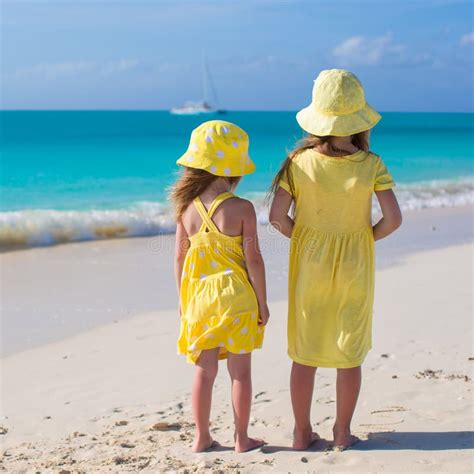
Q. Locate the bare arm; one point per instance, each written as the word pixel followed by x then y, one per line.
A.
pixel 279 217
pixel 392 216
pixel 181 249
pixel 254 261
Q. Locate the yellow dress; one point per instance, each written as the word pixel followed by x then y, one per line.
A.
pixel 331 272
pixel 219 307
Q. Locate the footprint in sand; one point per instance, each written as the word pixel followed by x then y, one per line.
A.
pixel 120 460
pixel 264 400
pixel 324 420
pixel 458 377
pixel 165 426
pixel 372 425
pixel 326 400
pixel 437 374
pixel 429 374
pixel 127 445
pixel 389 410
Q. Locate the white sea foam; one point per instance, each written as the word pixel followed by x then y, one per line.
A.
pixel 413 196
pixel 45 227
pixel 422 195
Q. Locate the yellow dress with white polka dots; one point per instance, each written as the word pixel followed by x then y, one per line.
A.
pixel 219 307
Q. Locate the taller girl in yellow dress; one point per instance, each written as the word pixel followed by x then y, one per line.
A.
pixel 330 179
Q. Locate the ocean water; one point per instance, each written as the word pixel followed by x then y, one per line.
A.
pixel 81 175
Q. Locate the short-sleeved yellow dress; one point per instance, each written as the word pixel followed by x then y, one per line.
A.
pixel 331 274
pixel 219 307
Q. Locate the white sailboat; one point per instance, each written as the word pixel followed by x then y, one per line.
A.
pixel 203 106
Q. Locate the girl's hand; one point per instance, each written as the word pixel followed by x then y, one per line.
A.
pixel 280 207
pixel 392 216
pixel 264 315
pixel 254 260
pixel 181 249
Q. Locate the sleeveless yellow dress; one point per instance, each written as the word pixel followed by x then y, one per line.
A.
pixel 219 307
pixel 331 272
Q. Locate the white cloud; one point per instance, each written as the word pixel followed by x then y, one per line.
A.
pixel 260 63
pixel 121 65
pixel 466 39
pixel 381 50
pixel 362 50
pixel 53 71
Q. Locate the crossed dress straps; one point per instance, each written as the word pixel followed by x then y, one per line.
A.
pixel 206 215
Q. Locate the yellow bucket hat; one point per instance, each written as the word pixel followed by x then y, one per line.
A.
pixel 338 107
pixel 219 147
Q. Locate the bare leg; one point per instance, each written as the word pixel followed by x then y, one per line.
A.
pixel 347 388
pixel 301 387
pixel 204 376
pixel 239 366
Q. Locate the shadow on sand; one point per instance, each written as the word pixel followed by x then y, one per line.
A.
pixel 321 445
pixel 416 440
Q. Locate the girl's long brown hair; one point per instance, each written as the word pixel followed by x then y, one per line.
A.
pixel 360 140
pixel 191 184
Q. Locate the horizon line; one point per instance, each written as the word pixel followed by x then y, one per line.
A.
pixel 224 110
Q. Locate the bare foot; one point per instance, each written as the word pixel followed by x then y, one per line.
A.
pixel 201 445
pixel 302 441
pixel 343 439
pixel 248 444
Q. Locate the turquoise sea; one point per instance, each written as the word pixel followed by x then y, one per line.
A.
pixel 83 175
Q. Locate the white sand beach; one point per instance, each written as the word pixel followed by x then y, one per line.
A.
pixel 91 381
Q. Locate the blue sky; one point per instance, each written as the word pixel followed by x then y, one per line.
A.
pixel 263 54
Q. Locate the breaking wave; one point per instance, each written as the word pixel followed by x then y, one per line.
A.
pixel 39 227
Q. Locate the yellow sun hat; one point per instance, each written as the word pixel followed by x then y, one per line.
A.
pixel 219 147
pixel 338 107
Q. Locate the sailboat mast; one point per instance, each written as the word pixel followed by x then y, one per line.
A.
pixel 205 84
pixel 208 94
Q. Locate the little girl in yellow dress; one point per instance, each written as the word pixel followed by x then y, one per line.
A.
pixel 330 180
pixel 219 272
